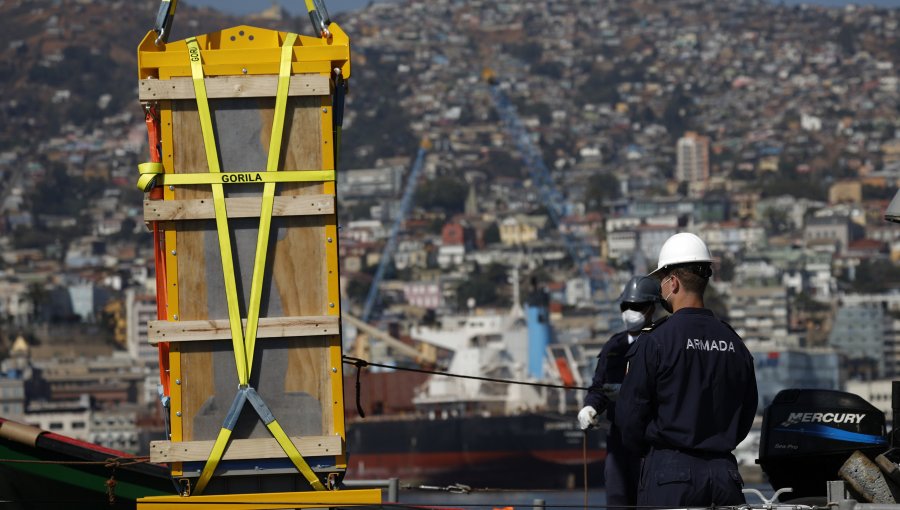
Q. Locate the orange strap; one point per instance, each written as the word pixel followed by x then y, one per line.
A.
pixel 159 247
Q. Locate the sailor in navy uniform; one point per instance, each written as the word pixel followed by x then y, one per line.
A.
pixel 622 468
pixel 689 396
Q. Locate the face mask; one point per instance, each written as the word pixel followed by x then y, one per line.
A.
pixel 634 320
pixel 665 302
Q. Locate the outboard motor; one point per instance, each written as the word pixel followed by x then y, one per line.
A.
pixel 807 435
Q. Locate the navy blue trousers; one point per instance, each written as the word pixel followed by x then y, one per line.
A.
pixel 622 471
pixel 675 478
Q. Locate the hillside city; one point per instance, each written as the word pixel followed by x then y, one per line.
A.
pixel 770 131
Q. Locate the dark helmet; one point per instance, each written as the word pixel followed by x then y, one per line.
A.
pixel 641 289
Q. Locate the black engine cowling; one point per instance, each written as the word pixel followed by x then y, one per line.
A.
pixel 807 435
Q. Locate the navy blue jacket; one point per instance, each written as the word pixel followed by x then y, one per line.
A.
pixel 690 386
pixel 610 369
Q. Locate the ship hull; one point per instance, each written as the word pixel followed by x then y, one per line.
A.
pixel 522 451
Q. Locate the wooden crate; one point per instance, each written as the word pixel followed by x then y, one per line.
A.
pixel 297 364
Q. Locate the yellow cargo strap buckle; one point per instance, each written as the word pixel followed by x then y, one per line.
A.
pixel 244 348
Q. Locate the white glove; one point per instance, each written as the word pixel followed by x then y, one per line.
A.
pixel 587 417
pixel 611 390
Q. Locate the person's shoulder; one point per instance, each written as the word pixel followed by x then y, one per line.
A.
pixel 738 342
pixel 729 327
pixel 617 342
pixel 646 340
pixel 655 325
pixel 617 337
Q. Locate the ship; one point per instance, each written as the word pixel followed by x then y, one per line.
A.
pixel 474 432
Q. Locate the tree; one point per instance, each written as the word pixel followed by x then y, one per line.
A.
pixel 846 38
pixel 776 221
pixel 445 193
pixel 715 302
pixel 500 163
pixel 676 113
pixel 600 188
pixel 726 269
pixel 483 286
pixel 492 234
pixel 804 303
pixel 878 192
pixel 876 276
pixel 600 88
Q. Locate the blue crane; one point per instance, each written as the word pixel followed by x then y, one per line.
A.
pixel 388 252
pixel 579 250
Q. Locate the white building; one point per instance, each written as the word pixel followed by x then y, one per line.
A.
pixel 72 418
pixel 877 392
pixel 759 314
pixel 423 294
pixel 140 309
pixel 692 153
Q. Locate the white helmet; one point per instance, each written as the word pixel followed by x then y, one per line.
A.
pixel 682 248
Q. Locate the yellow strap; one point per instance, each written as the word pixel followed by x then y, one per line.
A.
pixel 152 175
pixel 268 198
pixel 149 173
pixel 212 159
pixel 247 177
pixel 244 357
pixel 212 461
pixel 294 455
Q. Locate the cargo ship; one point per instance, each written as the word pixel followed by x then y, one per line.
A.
pixel 441 429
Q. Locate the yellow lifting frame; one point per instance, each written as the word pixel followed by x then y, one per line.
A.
pixel 246 56
pixel 272 500
pixel 307 55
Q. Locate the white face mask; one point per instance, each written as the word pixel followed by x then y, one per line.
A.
pixel 633 319
pixel 665 302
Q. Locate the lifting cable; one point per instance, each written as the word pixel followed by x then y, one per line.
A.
pixel 318 16
pixel 360 364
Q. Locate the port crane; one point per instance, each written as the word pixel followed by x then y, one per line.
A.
pixel 580 251
pixel 390 246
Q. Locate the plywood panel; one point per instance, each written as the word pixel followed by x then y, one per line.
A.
pixel 292 374
pixel 310 294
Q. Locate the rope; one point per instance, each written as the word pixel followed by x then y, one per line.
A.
pixel 110 463
pixel 361 363
pixel 584 464
pixel 359 366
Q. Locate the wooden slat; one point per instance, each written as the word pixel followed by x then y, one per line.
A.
pixel 242 449
pixel 237 207
pixel 233 86
pixel 269 327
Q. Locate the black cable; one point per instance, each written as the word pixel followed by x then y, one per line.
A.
pixel 361 362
